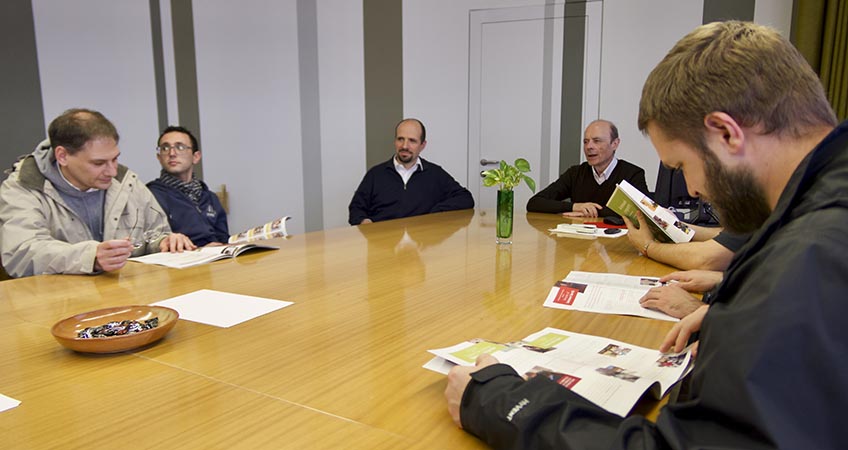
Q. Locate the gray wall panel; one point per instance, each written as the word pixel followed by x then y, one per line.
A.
pixel 21 110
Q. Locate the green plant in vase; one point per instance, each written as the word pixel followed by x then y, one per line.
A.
pixel 507 177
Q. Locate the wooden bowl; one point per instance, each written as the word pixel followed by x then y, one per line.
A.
pixel 66 331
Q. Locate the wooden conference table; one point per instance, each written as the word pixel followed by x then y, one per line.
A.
pixel 341 368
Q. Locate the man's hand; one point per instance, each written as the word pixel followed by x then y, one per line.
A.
pixel 672 300
pixel 458 379
pixel 175 243
pixel 639 237
pixel 366 220
pixel 695 280
pixel 587 209
pixel 112 255
pixel 677 338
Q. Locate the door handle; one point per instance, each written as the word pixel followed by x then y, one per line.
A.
pixel 486 162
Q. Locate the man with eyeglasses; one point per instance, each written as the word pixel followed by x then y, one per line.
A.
pixel 70 208
pixel 191 207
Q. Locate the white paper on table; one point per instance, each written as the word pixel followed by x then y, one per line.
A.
pixel 8 403
pixel 604 293
pixel 569 230
pixel 221 309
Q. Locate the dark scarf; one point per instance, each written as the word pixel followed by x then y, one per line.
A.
pixel 192 189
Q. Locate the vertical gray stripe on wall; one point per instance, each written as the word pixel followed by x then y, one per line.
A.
pixel 310 114
pixel 185 66
pixel 715 10
pixel 571 103
pixel 21 110
pixel 158 63
pixel 547 81
pixel 383 36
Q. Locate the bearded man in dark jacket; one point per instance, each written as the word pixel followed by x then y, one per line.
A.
pixel 739 110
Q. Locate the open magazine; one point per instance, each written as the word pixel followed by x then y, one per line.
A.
pixel 665 226
pixel 200 256
pixel 609 373
pixel 604 293
pixel 270 230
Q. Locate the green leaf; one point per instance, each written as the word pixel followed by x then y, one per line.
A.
pixel 503 165
pixel 489 181
pixel 522 165
pixel 530 183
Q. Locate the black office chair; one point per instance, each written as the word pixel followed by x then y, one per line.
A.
pixel 671 193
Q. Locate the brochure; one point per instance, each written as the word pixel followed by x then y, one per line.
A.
pixel 604 293
pixel 665 226
pixel 270 230
pixel 200 256
pixel 609 373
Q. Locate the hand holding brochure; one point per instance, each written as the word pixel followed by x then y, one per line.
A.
pixel 665 226
pixel 200 256
pixel 270 230
pixel 609 373
pixel 604 293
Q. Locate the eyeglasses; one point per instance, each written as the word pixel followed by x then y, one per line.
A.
pixel 179 148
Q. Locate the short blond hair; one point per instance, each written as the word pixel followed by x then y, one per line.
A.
pixel 746 70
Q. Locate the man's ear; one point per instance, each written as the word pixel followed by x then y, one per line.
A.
pixel 195 157
pixel 614 144
pixel 723 129
pixel 61 154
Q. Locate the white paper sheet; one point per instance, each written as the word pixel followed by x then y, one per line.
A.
pixel 221 309
pixel 8 403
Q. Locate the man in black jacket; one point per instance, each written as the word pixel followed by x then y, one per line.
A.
pixel 406 185
pixel 741 112
pixel 583 190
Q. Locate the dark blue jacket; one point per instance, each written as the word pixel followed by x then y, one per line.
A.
pixel 204 223
pixel 382 195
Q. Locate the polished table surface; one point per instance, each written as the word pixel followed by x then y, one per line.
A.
pixel 341 368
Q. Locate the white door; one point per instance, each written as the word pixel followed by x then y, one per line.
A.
pixel 515 79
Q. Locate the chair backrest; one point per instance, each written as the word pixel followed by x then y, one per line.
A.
pixel 224 198
pixel 671 192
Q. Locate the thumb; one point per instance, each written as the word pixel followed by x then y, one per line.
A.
pixel 486 360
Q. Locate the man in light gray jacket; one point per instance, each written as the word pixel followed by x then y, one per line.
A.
pixel 70 208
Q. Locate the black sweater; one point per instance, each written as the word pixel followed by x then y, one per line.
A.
pixel 578 185
pixel 382 195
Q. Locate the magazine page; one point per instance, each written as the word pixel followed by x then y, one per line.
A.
pixel 611 374
pixel 182 260
pixel 270 230
pixel 626 200
pixel 604 293
pixel 237 249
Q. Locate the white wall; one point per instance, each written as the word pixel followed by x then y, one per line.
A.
pixel 775 13
pixel 97 54
pixel 636 36
pixel 435 75
pixel 249 97
pixel 341 72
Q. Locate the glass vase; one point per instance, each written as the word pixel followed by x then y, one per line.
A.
pixel 504 226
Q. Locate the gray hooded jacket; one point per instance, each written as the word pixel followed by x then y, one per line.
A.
pixel 41 234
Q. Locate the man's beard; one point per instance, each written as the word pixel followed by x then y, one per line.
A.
pixel 740 201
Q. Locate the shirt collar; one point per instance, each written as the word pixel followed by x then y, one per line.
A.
pixel 606 173
pixel 400 167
